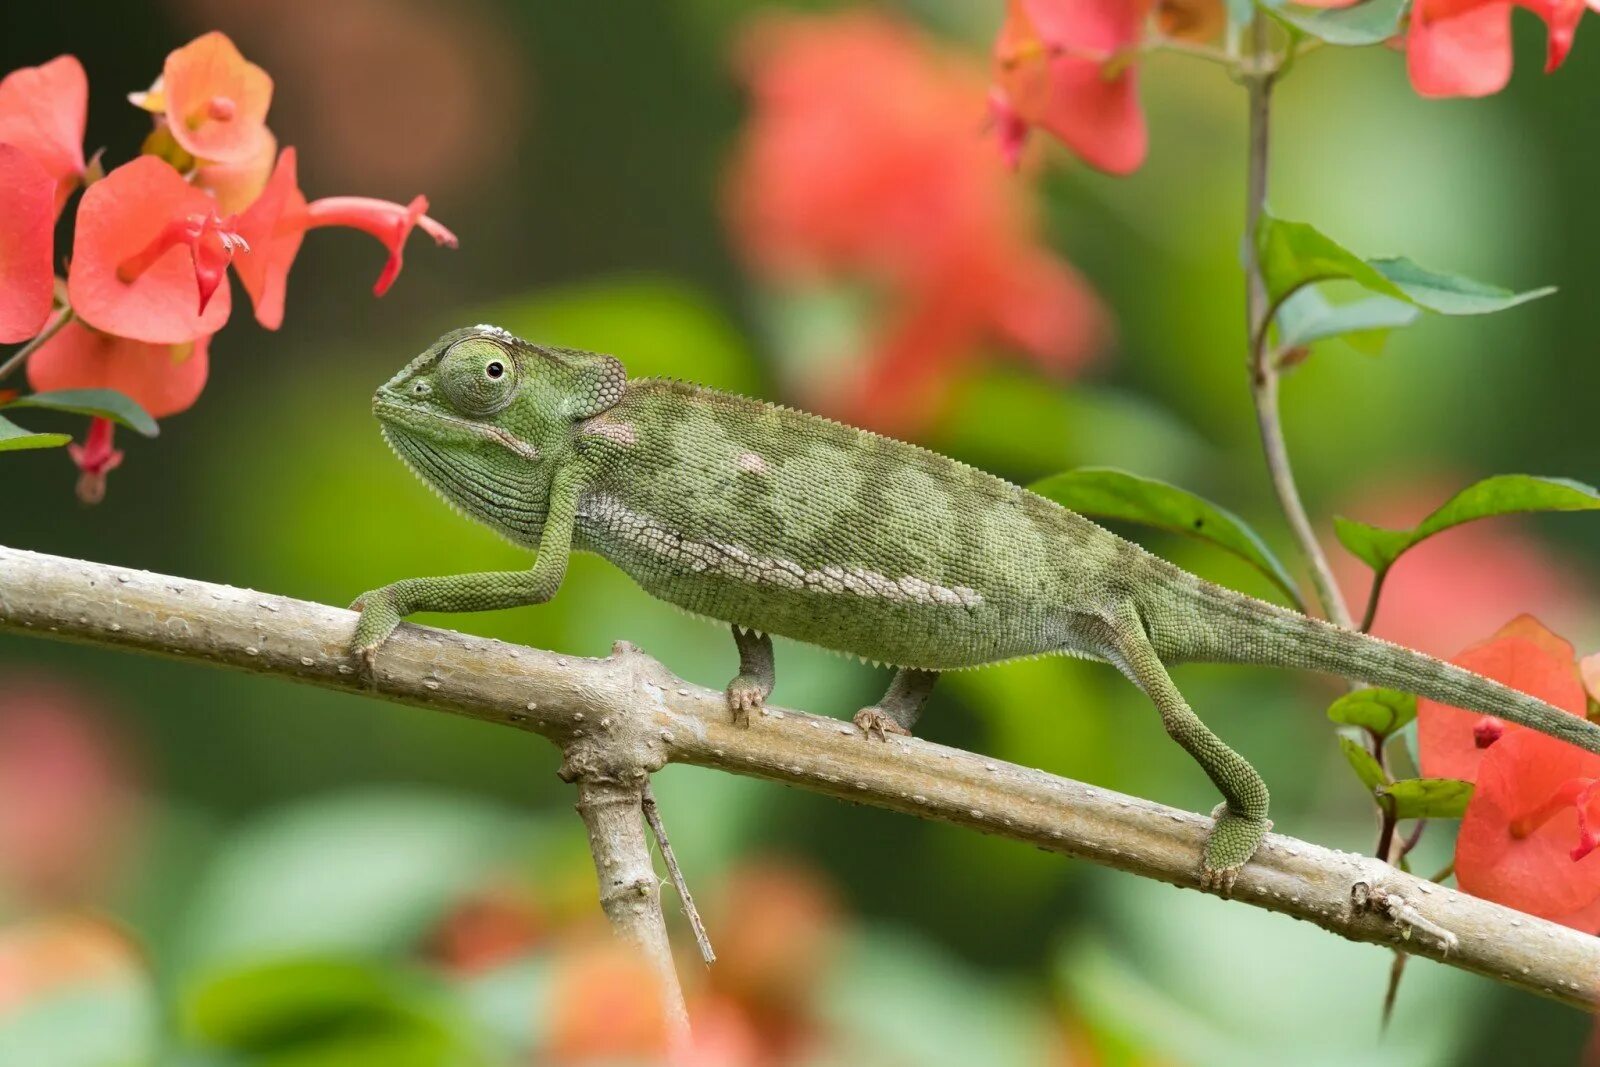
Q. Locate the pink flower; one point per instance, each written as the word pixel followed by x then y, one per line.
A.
pixel 276 223
pixel 1463 47
pixel 27 225
pixel 43 111
pixel 149 256
pixel 861 164
pixel 1067 67
pixel 215 101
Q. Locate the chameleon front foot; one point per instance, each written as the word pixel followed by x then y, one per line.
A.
pixel 875 721
pixel 745 695
pixel 380 615
pixel 1229 846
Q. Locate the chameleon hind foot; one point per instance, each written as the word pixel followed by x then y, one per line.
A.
pixel 875 720
pixel 752 686
pixel 1229 846
pixel 900 707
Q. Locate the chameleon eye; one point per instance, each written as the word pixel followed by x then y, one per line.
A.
pixel 495 369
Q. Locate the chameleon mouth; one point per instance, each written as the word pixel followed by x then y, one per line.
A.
pixel 417 420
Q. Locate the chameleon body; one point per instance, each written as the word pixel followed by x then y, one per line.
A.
pixel 782 522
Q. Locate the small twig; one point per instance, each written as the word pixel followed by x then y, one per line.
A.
pixel 20 356
pixel 652 815
pixel 1413 838
pixel 1366 897
pixel 629 891
pixel 1397 970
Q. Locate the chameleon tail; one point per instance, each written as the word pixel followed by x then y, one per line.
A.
pixel 1196 620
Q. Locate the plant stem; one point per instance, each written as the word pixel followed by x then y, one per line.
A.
pixel 1259 82
pixel 20 356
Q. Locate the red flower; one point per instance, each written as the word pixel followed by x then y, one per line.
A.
pixel 1452 743
pixel 67 793
pixel 215 101
pixel 276 223
pixel 43 111
pixel 1066 66
pixel 149 256
pixel 861 163
pixel 162 379
pixel 1528 839
pixel 1463 47
pixel 27 223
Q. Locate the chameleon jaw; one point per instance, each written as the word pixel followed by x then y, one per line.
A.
pixel 418 421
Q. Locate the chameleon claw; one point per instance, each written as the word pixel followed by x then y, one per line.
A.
pixel 744 696
pixel 875 721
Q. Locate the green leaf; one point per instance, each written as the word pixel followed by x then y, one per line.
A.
pixel 1105 492
pixel 1428 798
pixel 1383 711
pixel 1296 254
pixel 1308 317
pixel 14 438
pixel 1504 494
pixel 1451 294
pixel 1372 22
pixel 1363 764
pixel 99 403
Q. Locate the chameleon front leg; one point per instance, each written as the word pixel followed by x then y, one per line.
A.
pixel 383 608
pixel 901 705
pixel 1240 821
pixel 753 684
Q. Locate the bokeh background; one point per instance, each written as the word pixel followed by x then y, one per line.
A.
pixel 203 869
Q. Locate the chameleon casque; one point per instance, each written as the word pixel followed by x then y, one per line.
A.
pixel 782 522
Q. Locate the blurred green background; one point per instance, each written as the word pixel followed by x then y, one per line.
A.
pixel 310 878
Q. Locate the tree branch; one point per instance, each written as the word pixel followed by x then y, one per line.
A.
pixel 629 699
pixel 612 812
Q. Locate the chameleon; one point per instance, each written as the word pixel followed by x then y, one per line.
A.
pixel 777 521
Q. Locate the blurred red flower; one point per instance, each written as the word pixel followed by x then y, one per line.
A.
pixel 67 795
pixel 604 1007
pixel 1067 67
pixel 777 927
pixel 149 256
pixel 494 924
pixel 1524 654
pixel 275 224
pixel 27 225
pixel 1463 47
pixel 863 161
pixel 43 111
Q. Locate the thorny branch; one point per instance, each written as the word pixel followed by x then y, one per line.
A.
pixel 625 714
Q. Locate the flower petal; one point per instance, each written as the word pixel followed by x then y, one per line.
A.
pixel 43 111
pixel 162 379
pixel 1465 54
pixel 120 217
pixel 27 226
pixel 273 227
pixel 216 100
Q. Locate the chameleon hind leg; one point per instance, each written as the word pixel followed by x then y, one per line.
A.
pixel 753 684
pixel 1240 821
pixel 901 705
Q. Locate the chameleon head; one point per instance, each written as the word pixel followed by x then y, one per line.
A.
pixel 486 419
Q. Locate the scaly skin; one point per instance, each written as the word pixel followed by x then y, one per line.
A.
pixel 781 522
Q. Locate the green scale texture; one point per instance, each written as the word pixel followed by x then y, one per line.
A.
pixel 778 521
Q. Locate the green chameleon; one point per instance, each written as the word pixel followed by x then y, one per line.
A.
pixel 782 522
